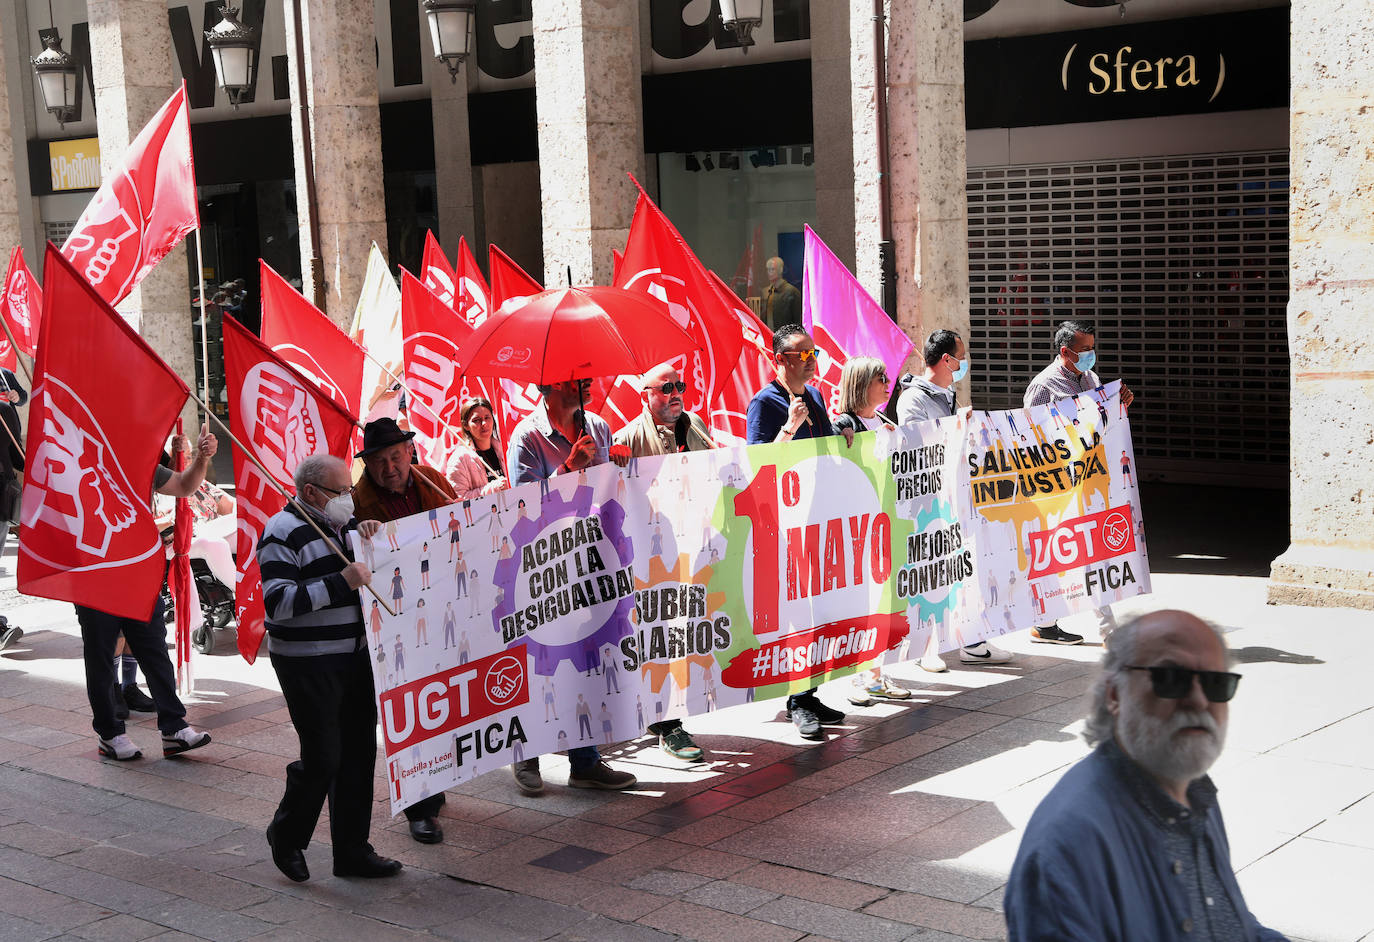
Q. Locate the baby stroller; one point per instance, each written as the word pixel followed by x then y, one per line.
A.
pixel 216 601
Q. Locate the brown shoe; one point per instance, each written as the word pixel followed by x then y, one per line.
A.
pixel 601 775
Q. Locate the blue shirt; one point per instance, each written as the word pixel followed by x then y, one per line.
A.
pixel 537 449
pixel 1109 857
pixel 768 414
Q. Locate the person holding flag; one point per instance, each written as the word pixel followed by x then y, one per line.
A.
pixel 315 639
pixel 146 640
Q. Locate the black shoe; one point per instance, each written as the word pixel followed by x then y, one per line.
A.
pixel 370 866
pixel 826 715
pixel 120 707
pixel 289 861
pixel 808 726
pixel 427 831
pixel 9 633
pixel 137 700
pixel 1053 634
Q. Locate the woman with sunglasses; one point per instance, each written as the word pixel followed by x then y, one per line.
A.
pixel 864 389
pixel 478 467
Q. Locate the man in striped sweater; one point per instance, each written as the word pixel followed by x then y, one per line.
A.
pixel 315 638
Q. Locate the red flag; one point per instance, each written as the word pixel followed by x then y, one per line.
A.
pixel 184 597
pixel 21 307
pixel 463 289
pixel 432 334
pixel 142 210
pixel 282 417
pixel 304 336
pixel 746 278
pixel 474 295
pixel 729 416
pixel 435 271
pixel 617 259
pixel 658 262
pixel 87 533
pixel 508 280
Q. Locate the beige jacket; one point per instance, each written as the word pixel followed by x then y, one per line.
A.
pixel 641 435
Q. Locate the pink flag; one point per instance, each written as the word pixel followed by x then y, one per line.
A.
pixel 844 320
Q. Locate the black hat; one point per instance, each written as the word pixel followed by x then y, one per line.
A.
pixel 382 433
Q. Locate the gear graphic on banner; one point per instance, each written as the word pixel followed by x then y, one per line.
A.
pixel 602 628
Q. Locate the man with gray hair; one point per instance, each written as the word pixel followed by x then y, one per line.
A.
pixel 315 639
pixel 1130 845
pixel 1069 374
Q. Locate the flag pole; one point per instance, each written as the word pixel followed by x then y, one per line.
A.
pixel 18 356
pixel 290 498
pixel 204 322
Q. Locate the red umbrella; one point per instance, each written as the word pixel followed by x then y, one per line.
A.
pixel 574 333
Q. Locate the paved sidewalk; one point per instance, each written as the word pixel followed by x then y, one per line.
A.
pixel 903 825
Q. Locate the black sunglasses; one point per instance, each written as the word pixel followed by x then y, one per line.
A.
pixel 669 388
pixel 1173 683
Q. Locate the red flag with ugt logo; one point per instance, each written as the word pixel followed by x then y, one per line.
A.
pixel 102 405
pixel 145 207
pixel 304 336
pixel 282 417
pixel 432 334
pixel 21 307
pixel 729 414
pixel 658 262
pixel 462 287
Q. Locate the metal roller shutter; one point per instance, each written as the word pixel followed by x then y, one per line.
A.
pixel 1182 264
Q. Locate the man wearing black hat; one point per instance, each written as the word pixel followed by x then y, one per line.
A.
pixel 392 487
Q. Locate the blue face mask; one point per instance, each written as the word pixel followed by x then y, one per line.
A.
pixel 1086 360
pixel 962 371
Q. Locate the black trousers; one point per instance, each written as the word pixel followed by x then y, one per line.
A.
pixel 148 643
pixel 335 716
pixel 425 808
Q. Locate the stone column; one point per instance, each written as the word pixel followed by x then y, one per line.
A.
pixel 133 72
pixel 863 78
pixel 833 144
pixel 453 177
pixel 1330 332
pixel 12 187
pixel 926 160
pixel 588 101
pixel 340 97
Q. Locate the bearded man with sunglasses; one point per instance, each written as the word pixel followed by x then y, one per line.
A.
pixel 1130 845
pixel 665 427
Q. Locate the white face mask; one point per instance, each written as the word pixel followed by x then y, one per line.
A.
pixel 339 510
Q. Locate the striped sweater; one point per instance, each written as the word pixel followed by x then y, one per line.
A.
pixel 310 610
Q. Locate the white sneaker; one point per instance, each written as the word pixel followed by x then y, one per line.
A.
pixel 983 653
pixel 183 740
pixel 932 663
pixel 121 748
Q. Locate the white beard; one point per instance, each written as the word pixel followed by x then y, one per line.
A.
pixel 1152 744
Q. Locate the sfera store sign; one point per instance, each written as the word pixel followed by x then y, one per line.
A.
pixel 1229 62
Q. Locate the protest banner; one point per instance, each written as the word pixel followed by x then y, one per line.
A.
pixel 578 610
pixel 1053 503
